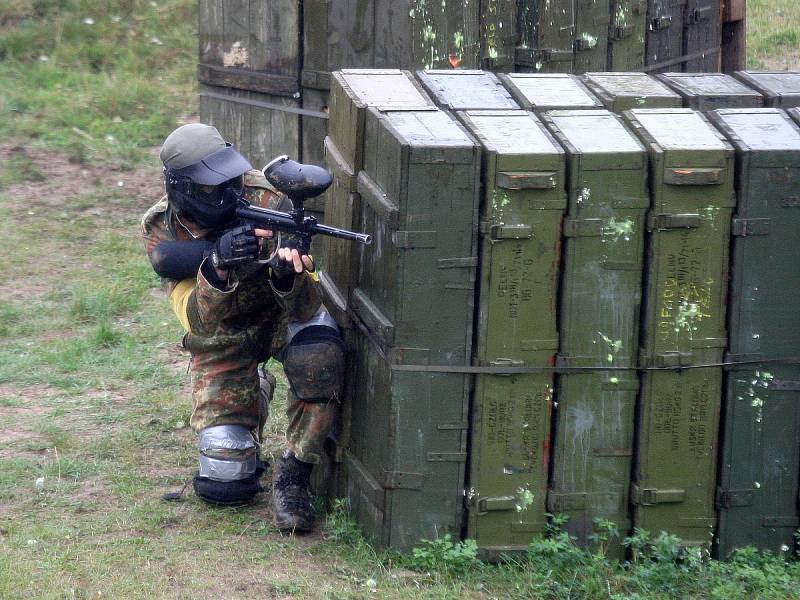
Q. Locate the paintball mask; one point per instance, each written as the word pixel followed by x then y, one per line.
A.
pixel 208 205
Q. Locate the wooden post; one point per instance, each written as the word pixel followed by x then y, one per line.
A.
pixel 734 19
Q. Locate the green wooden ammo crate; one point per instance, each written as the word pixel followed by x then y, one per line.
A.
pixel 520 231
pixel 541 92
pixel 709 91
pixel 598 320
pixel 498 33
pixel 626 37
pixel 781 89
pixel 702 30
pixel 414 307
pixel 339 260
pixel 758 491
pixel 622 91
pixel 352 91
pixel 466 90
pixel 410 34
pixel 664 38
pixel 547 49
pixel 563 37
pixel 691 183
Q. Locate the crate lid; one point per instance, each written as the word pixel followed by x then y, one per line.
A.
pixel 510 132
pixel 466 90
pixel 773 82
pixel 386 88
pixel 551 90
pixel 707 84
pixel 679 129
pixel 427 128
pixel 595 131
pixel 630 85
pixel 758 129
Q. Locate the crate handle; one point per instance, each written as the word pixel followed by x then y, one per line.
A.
pixel 693 176
pixel 526 180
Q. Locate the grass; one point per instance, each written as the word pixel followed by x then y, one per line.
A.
pixel 93 386
pixel 773 34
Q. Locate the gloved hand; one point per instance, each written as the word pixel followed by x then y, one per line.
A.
pixel 236 246
pixel 290 259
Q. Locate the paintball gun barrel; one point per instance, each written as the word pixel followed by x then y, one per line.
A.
pixel 299 182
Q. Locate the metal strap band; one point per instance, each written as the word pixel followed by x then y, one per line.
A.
pixel 511 370
pixel 681 59
pixel 289 109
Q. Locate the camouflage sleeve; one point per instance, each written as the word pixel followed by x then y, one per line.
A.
pixel 154 230
pixel 207 306
pixel 304 299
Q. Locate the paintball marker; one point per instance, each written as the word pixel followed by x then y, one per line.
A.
pixel 299 182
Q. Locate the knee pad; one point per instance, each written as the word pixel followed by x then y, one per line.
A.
pixel 229 465
pixel 314 359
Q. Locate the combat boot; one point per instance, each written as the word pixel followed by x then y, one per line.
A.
pixel 291 500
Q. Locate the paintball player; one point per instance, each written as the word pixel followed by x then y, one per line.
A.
pixel 242 300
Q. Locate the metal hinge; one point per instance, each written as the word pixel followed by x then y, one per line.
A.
pixel 659 222
pixel 667 359
pixel 652 496
pixel 747 227
pixel 731 498
pixel 557 502
pixel 583 227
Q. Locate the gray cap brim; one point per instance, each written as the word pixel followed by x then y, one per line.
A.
pixel 217 167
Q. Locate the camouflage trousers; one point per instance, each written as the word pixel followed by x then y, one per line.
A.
pixel 227 390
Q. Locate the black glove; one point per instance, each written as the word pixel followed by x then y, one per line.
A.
pixel 235 246
pixel 281 268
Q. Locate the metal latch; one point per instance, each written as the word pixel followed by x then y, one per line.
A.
pixel 746 227
pixel 659 23
pixel 731 498
pixel 698 14
pixel 662 221
pixel 620 32
pixel 652 496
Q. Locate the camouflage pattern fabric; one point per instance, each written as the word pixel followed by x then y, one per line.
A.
pixel 233 331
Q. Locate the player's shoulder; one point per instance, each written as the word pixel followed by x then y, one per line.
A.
pixel 155 217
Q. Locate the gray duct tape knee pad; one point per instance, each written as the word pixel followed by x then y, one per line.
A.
pixel 313 359
pixel 229 465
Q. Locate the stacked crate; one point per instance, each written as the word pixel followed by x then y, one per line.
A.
pixel 481 301
pixel 758 485
pixel 599 316
pixel 523 205
pixel 709 91
pixel 541 92
pixel 691 186
pixel 781 89
pixel 622 91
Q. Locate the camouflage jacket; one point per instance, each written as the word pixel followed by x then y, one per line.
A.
pixel 251 311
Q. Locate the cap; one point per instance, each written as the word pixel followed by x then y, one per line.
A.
pixel 198 152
